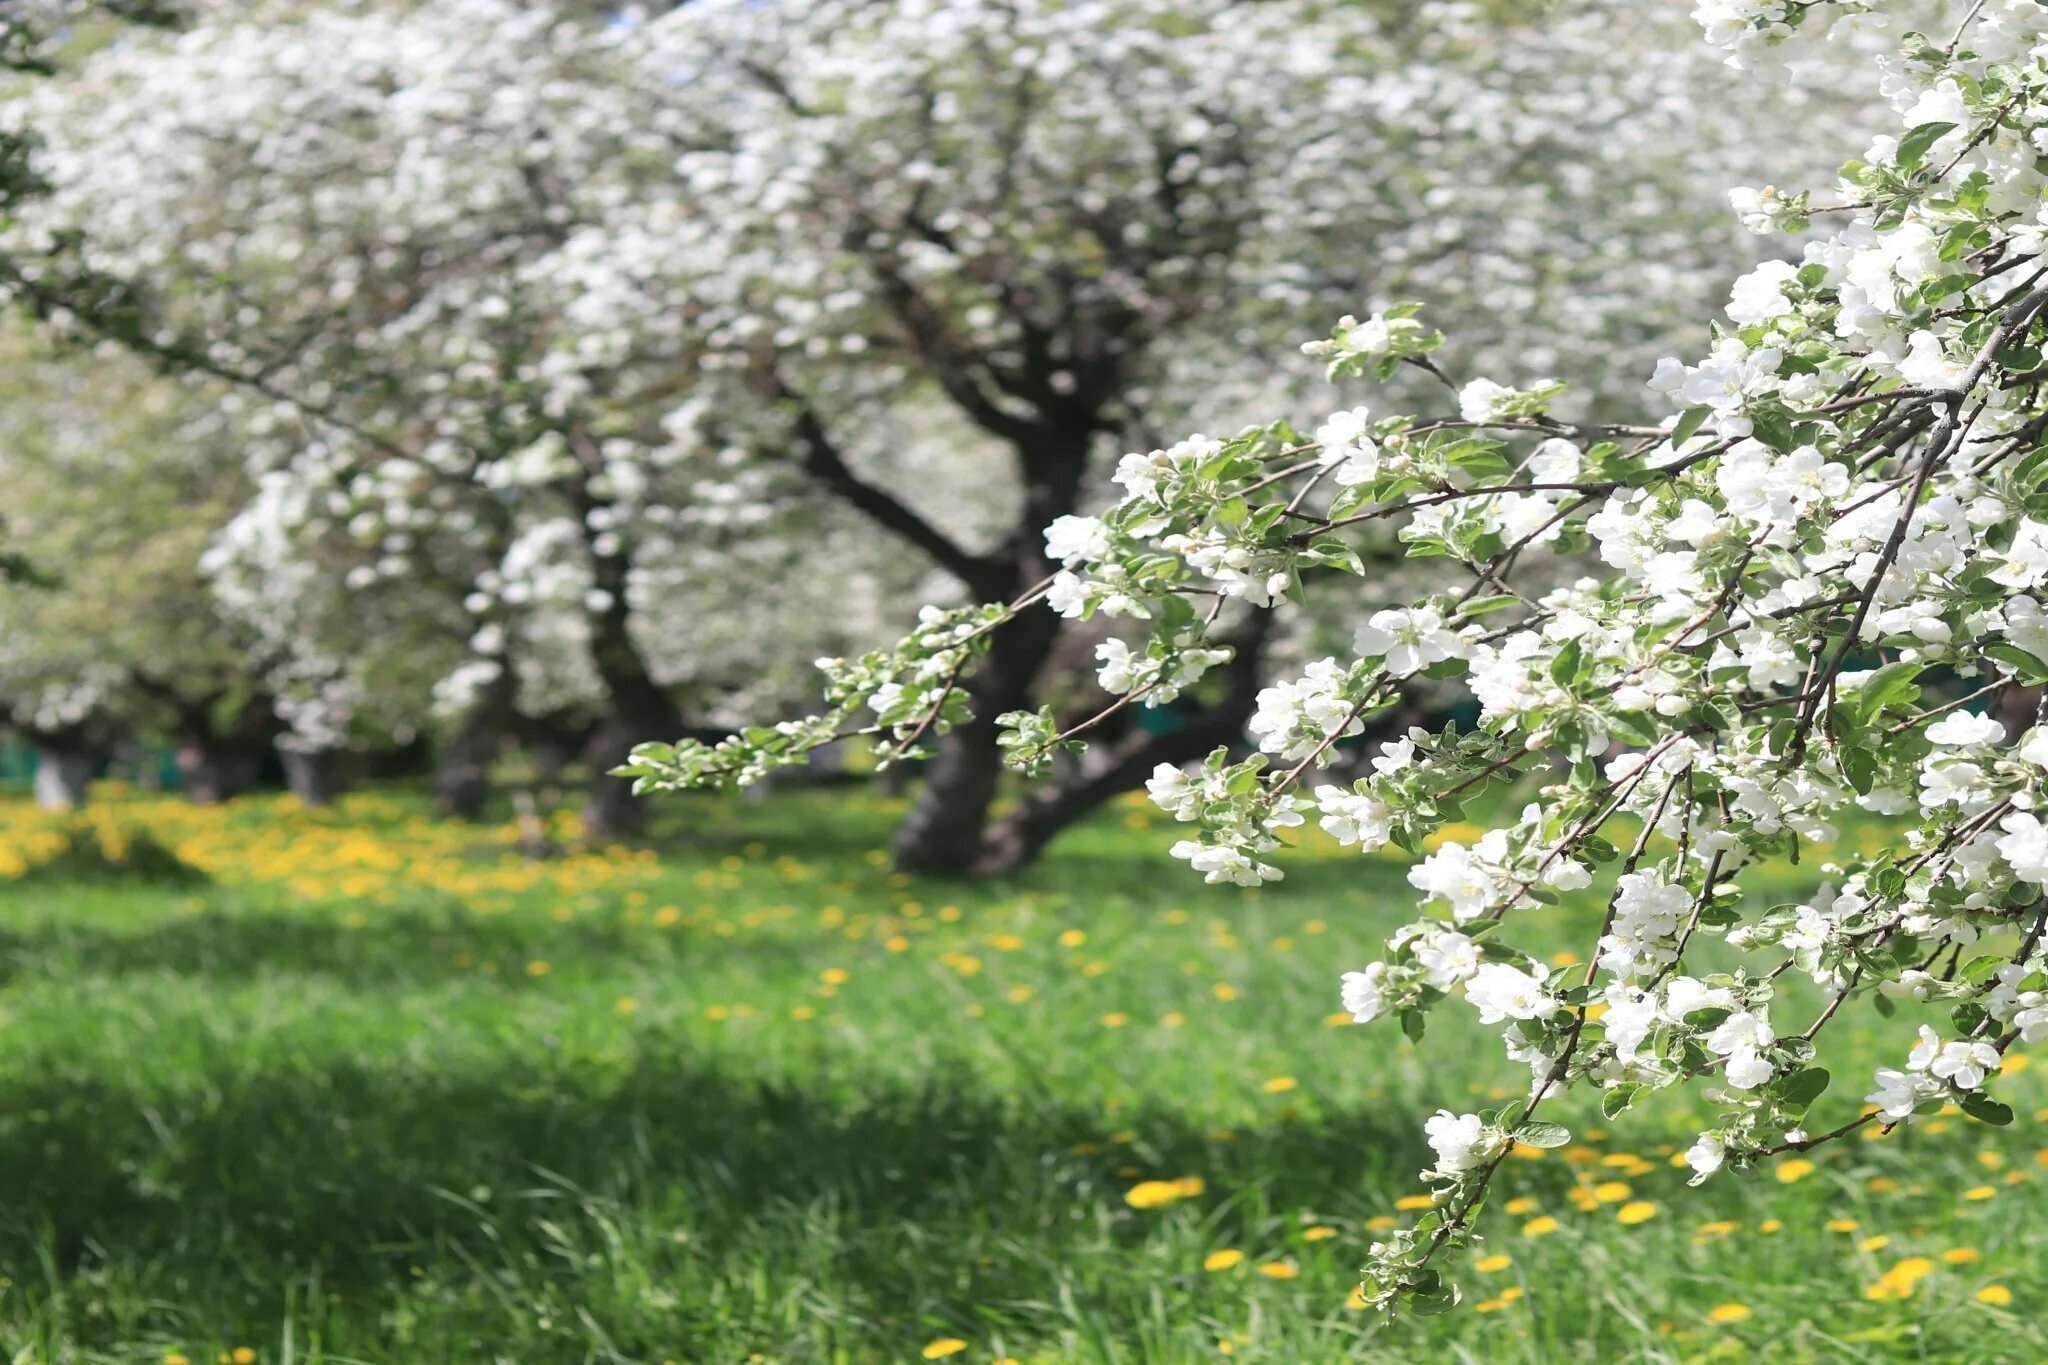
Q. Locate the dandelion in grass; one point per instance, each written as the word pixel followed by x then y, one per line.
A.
pixel 1539 1227
pixel 1997 1295
pixel 1280 1085
pixel 943 1347
pixel 1152 1194
pixel 1318 1234
pixel 1979 1193
pixel 1489 1264
pixel 1638 1211
pixel 1901 1280
pixel 1729 1312
pixel 1798 1168
pixel 1279 1270
pixel 1227 1259
pixel 1961 1255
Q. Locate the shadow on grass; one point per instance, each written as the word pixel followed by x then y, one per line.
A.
pixel 357 1177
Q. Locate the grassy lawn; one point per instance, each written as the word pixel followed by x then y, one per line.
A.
pixel 377 1089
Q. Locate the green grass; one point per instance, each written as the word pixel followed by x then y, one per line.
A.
pixel 381 1092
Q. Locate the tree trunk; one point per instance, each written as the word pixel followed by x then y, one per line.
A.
pixel 637 710
pixel 462 769
pixel 212 770
pixel 312 775
pixel 63 773
pixel 1019 837
pixel 943 832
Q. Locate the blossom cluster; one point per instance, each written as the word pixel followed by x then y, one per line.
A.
pixel 1820 587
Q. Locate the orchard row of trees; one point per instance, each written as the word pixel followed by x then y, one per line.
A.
pixel 498 372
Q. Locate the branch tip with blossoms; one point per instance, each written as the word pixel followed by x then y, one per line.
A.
pixel 1834 545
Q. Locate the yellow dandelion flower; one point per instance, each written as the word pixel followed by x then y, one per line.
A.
pixel 1612 1191
pixel 1318 1234
pixel 1222 1260
pixel 1638 1211
pixel 1901 1280
pixel 626 1004
pixel 943 1347
pixel 1521 1204
pixel 1877 1243
pixel 1414 1201
pixel 538 968
pixel 1961 1255
pixel 1382 1222
pixel 1842 1225
pixel 1769 1226
pixel 1979 1192
pixel 1878 1184
pixel 1224 991
pixel 1539 1227
pixel 1511 1293
pixel 1489 1305
pixel 1279 1270
pixel 1355 1300
pixel 1019 994
pixel 1729 1312
pixel 1798 1168
pixel 243 1355
pixel 896 943
pixel 1997 1295
pixel 1486 1265
pixel 1280 1085
pixel 1115 1019
pixel 1073 938
pixel 1151 1194
pixel 1173 1020
pixel 1188 1186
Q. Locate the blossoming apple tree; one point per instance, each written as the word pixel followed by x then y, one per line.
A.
pixel 1817 574
pixel 1073 222
pixel 534 293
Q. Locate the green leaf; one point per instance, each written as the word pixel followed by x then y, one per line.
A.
pixel 1914 146
pixel 2027 668
pixel 1689 423
pixel 1615 1101
pixel 1802 1088
pixel 1859 765
pixel 1891 683
pixel 1543 1135
pixel 1984 1109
